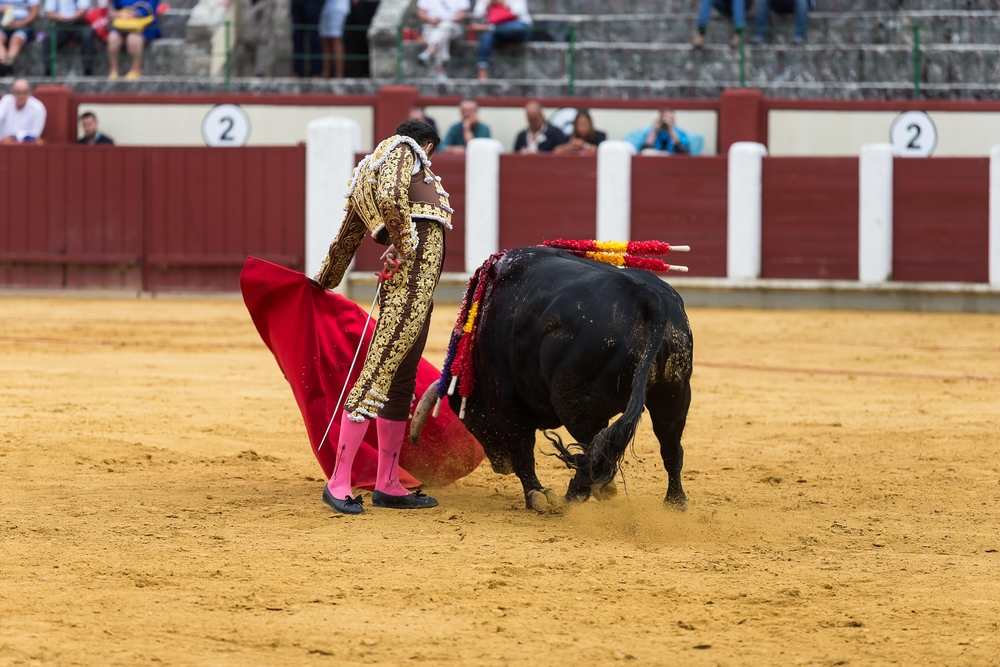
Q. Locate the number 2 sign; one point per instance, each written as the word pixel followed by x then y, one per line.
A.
pixel 226 125
pixel 913 134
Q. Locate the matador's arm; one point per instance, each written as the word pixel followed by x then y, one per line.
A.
pixel 392 197
pixel 352 233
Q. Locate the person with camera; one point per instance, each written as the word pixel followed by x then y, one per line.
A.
pixel 664 136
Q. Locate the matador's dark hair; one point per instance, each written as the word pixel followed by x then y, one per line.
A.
pixel 419 131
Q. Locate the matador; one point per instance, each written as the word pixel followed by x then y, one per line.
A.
pixel 396 198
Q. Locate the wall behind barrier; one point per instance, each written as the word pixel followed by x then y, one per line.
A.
pixel 683 201
pixel 809 214
pixel 141 218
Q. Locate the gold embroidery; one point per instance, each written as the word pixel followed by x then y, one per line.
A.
pixel 402 310
pixel 350 236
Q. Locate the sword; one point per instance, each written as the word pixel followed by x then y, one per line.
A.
pixel 382 277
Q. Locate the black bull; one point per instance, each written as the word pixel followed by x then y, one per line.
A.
pixel 567 341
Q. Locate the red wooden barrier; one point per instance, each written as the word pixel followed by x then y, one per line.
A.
pixel 70 216
pixel 682 200
pixel 546 197
pixel 810 218
pixel 208 208
pixel 941 219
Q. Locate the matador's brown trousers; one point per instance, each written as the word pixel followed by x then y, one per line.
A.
pixel 385 387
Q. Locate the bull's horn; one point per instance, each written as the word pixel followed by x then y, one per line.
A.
pixel 422 412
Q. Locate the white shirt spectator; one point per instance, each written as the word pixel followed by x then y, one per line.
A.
pixel 28 121
pixel 443 10
pixel 66 8
pixel 518 8
pixel 22 7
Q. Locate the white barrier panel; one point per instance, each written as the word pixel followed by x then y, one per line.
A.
pixel 744 210
pixel 875 213
pixel 331 144
pixel 614 190
pixel 482 201
pixel 994 257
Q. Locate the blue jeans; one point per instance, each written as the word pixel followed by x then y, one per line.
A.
pixel 736 9
pixel 512 32
pixel 799 7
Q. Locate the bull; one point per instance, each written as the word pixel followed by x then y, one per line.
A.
pixel 569 341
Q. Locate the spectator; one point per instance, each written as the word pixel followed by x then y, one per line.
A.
pixel 92 136
pixel 799 7
pixel 465 130
pixel 417 113
pixel 663 136
pixel 67 24
pixel 22 117
pixel 306 47
pixel 331 33
pixel 507 22
pixel 442 21
pixel 18 15
pixel 540 137
pixel 732 9
pixel 134 37
pixel 585 138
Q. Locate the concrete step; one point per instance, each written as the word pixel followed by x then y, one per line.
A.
pixel 162 57
pixel 848 64
pixel 668 7
pixel 174 22
pixel 824 27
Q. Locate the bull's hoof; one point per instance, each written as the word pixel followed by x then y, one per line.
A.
pixel 607 493
pixel 543 501
pixel 676 501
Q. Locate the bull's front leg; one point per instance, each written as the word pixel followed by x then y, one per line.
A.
pixel 522 459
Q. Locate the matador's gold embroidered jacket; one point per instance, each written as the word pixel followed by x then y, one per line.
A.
pixel 389 189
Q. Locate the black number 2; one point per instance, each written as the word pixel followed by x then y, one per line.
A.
pixel 913 139
pixel 228 137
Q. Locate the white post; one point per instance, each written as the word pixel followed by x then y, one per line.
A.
pixel 875 213
pixel 746 168
pixel 482 201
pixel 995 217
pixel 614 190
pixel 331 146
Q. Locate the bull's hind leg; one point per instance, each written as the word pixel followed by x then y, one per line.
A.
pixel 668 407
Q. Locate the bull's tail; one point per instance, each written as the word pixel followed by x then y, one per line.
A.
pixel 605 453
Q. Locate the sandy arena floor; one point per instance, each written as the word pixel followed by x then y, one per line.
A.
pixel 159 504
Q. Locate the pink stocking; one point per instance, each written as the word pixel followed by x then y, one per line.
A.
pixel 390 443
pixel 351 435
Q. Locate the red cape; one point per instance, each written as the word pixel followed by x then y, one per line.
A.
pixel 313 335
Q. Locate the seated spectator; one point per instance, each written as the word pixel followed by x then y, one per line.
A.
pixel 799 7
pixel 18 15
pixel 540 137
pixel 500 22
pixel 134 38
pixel 92 136
pixel 732 9
pixel 442 21
pixel 331 34
pixel 465 130
pixel 584 139
pixel 22 116
pixel 663 136
pixel 68 24
pixel 417 113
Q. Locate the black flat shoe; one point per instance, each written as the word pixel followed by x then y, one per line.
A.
pixel 348 505
pixel 413 501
